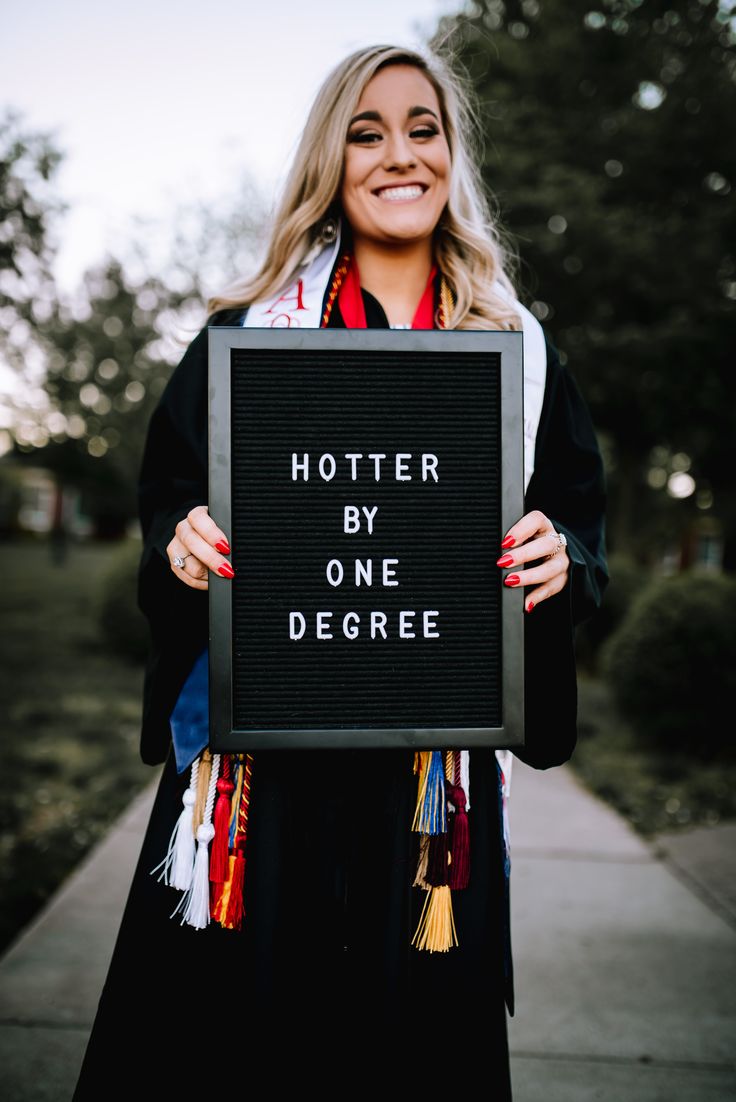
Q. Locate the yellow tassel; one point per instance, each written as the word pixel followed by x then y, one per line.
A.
pixel 223 898
pixel 203 784
pixel 235 802
pixel 422 768
pixel 436 930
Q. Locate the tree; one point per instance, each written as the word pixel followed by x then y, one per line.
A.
pixel 107 363
pixel 28 210
pixel 110 354
pixel 610 150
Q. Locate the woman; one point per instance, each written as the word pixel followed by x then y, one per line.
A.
pixel 382 223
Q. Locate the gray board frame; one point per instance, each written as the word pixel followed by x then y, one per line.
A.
pixel 223 340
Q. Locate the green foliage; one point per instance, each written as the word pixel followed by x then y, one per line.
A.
pixel 28 209
pixel 672 663
pixel 657 788
pixel 609 150
pixel 121 622
pixel 627 579
pixel 28 162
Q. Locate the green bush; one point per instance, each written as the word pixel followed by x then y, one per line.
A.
pixel 122 624
pixel 627 579
pixel 672 663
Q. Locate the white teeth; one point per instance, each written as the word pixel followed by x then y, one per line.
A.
pixel 396 193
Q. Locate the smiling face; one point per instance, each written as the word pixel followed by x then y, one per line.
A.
pixel 396 178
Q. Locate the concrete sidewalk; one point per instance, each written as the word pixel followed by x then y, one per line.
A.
pixel 625 957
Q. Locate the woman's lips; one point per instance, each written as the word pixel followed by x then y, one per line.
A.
pixel 400 193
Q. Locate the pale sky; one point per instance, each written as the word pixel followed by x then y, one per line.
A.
pixel 165 102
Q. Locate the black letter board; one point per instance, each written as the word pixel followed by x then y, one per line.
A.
pixel 365 480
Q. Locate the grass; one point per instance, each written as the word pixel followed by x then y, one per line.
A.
pixel 655 789
pixel 69 761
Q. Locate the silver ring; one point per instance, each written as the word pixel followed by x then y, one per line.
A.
pixel 178 560
pixel 561 542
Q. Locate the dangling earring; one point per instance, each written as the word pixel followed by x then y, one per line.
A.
pixel 327 235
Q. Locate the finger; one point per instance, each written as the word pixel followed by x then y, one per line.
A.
pixel 193 573
pixel 538 548
pixel 542 592
pixel 192 582
pixel 202 522
pixel 202 550
pixel 534 523
pixel 552 568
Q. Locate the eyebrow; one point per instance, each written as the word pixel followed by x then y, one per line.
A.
pixel 375 116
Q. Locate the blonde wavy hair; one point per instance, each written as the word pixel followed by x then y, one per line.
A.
pixel 469 245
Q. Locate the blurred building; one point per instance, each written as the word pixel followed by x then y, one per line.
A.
pixel 32 501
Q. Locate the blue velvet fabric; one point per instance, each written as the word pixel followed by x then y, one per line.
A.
pixel 190 718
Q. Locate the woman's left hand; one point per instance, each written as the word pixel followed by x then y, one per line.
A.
pixel 534 538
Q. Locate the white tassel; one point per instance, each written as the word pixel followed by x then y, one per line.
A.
pixel 465 776
pixel 195 903
pixel 178 864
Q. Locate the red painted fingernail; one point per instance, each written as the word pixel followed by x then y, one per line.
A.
pixel 508 542
pixel 513 579
pixel 226 570
pixel 505 560
pixel 223 547
pixel 530 606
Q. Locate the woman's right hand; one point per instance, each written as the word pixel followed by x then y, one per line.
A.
pixel 202 545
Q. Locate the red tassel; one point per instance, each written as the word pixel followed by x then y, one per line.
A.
pixel 220 894
pixel 438 863
pixel 235 905
pixel 218 855
pixel 460 839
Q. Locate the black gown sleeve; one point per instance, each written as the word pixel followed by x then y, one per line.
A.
pixel 568 486
pixel 173 479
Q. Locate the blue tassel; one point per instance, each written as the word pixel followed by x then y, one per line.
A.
pixel 433 812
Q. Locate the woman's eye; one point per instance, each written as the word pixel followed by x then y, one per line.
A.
pixel 364 136
pixel 424 132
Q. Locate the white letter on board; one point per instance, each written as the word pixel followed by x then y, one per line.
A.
pixel 323 622
pixel 334 576
pixel 388 573
pixel 377 457
pixel 430 624
pixel 351 524
pixel 295 617
pixel 327 462
pixel 353 457
pixel 429 466
pixel 404 626
pixel 296 466
pixel 378 623
pixel 350 631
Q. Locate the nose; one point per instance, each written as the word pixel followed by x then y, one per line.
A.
pixel 399 155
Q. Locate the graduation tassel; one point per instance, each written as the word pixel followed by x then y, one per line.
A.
pixel 438 861
pixel 459 839
pixel 436 930
pixel 218 856
pixel 444 857
pixel 420 879
pixel 178 863
pixel 430 816
pixel 228 906
pixel 236 902
pixel 221 890
pixel 195 903
pixel 203 784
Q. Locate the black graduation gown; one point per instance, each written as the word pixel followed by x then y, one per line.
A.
pixel 322 986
